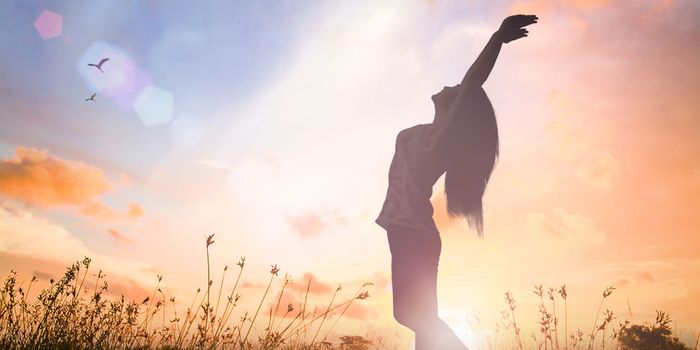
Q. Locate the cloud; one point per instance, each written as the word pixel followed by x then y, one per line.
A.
pixel 644 276
pixel 307 225
pixel 99 210
pixel 535 238
pixel 316 286
pixel 120 237
pixel 636 141
pixel 125 286
pixel 36 178
pixel 135 210
pixel 25 234
pixel 312 223
pixel 359 311
pixel 252 285
pixel 546 7
pixel 27 238
pixel 563 227
pixel 104 212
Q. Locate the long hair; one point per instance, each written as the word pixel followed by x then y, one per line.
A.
pixel 472 157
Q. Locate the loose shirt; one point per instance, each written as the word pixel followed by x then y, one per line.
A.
pixel 414 170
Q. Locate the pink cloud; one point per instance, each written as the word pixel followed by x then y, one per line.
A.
pixel 120 237
pixel 358 311
pixel 307 225
pixel 311 223
pixel 316 286
pixel 644 276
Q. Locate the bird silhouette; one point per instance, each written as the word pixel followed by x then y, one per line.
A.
pixel 99 65
pixel 92 98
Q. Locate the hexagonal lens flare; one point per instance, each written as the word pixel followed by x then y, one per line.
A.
pixel 49 24
pixel 154 106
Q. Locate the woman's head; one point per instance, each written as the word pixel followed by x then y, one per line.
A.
pixel 471 157
pixel 443 99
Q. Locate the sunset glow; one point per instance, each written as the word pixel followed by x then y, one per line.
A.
pixel 272 125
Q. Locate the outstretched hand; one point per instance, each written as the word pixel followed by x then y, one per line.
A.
pixel 512 27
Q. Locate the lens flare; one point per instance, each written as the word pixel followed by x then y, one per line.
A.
pixel 154 106
pixel 49 24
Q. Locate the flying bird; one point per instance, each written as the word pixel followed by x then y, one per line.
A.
pixel 92 98
pixel 99 65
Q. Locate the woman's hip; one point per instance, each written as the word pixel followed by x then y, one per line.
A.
pixel 414 244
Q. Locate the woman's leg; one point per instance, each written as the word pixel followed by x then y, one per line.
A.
pixel 414 264
pixel 414 260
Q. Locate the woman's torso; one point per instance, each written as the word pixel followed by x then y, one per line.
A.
pixel 413 172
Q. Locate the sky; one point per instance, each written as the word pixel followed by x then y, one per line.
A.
pixel 271 124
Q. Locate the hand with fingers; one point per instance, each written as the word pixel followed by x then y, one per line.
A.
pixel 512 27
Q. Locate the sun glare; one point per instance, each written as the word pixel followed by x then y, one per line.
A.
pixel 458 320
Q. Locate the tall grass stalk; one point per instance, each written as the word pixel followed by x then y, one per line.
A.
pixel 210 241
pixel 231 303
pixel 606 293
pixel 273 272
pixel 562 293
pixel 516 329
pixel 550 295
pixel 360 296
pixel 325 314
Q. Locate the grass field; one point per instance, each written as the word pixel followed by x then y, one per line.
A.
pixel 69 314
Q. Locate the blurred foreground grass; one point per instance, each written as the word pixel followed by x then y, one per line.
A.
pixel 68 314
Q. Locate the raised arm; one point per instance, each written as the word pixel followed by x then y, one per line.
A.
pixel 481 68
pixel 511 29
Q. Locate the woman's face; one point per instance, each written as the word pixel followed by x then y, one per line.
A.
pixel 444 98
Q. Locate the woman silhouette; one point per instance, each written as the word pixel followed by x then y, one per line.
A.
pixel 462 142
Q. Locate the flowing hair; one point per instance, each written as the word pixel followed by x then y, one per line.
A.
pixel 472 156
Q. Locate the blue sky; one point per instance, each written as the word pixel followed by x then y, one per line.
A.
pixel 207 55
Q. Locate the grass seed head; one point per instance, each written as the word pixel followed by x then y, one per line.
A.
pixel 538 290
pixel 562 291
